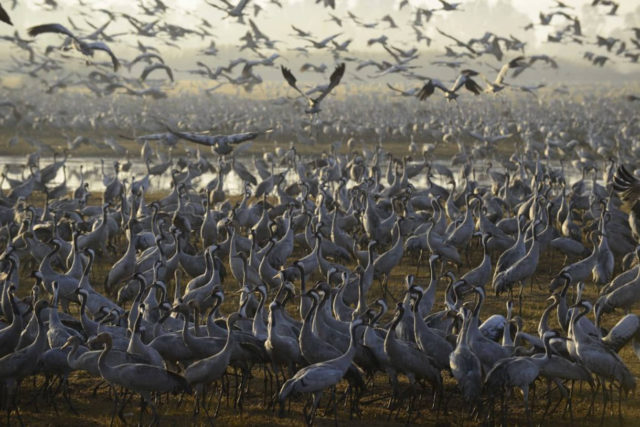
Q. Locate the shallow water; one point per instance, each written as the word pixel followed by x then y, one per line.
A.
pixel 233 185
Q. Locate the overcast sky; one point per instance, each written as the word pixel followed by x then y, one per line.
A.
pixel 503 17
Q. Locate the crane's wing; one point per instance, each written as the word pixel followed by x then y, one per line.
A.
pixel 241 5
pixel 426 91
pixel 112 87
pixel 298 30
pixel 394 88
pixel 563 14
pixel 544 58
pixel 334 80
pixel 438 84
pixel 213 140
pixel 328 39
pixel 626 185
pixel 458 83
pixel 514 63
pixel 393 54
pixel 154 67
pixel 476 135
pixel 429 88
pixel 225 9
pixel 103 47
pixel 256 30
pixel 448 36
pixel 290 78
pixel 472 86
pixel 4 16
pixel 50 28
pixel 146 56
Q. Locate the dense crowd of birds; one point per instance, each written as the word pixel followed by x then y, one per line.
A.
pixel 327 234
pixel 293 281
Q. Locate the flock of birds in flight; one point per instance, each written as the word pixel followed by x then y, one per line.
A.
pixel 347 223
pixel 401 61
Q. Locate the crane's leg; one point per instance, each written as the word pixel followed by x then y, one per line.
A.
pixel 612 408
pixel 385 288
pixel 264 385
pixel 570 402
pixel 95 389
pixel 66 393
pixel 491 414
pixel 305 410
pixel 215 414
pixel 620 404
pixel 520 297
pixel 503 409
pixel 314 406
pixel 418 264
pixel 226 382
pixel 125 400
pixel 533 400
pixel 154 410
pixel 394 393
pixel 196 402
pixel 12 401
pixel 604 401
pixel 531 283
pixel 116 406
pixel 143 406
pixel 414 393
pixel 237 389
pixel 244 383
pixel 548 405
pixel 335 405
pixel 566 394
pixel 594 392
pixel 276 371
pixel 205 407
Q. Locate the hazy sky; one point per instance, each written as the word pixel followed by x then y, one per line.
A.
pixel 503 17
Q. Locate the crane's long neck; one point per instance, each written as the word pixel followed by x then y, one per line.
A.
pixel 258 325
pixel 226 350
pixel 576 333
pixel 45 265
pixel 317 321
pixel 72 358
pixel 106 370
pixel 464 333
pixel 543 325
pixel 38 345
pixel 16 321
pixel 345 360
pixel 362 296
pixel 433 282
pixel 391 332
pixel 307 321
pixel 134 332
pixel 186 335
pixel 53 310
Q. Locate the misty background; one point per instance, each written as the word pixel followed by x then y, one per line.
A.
pixel 503 17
